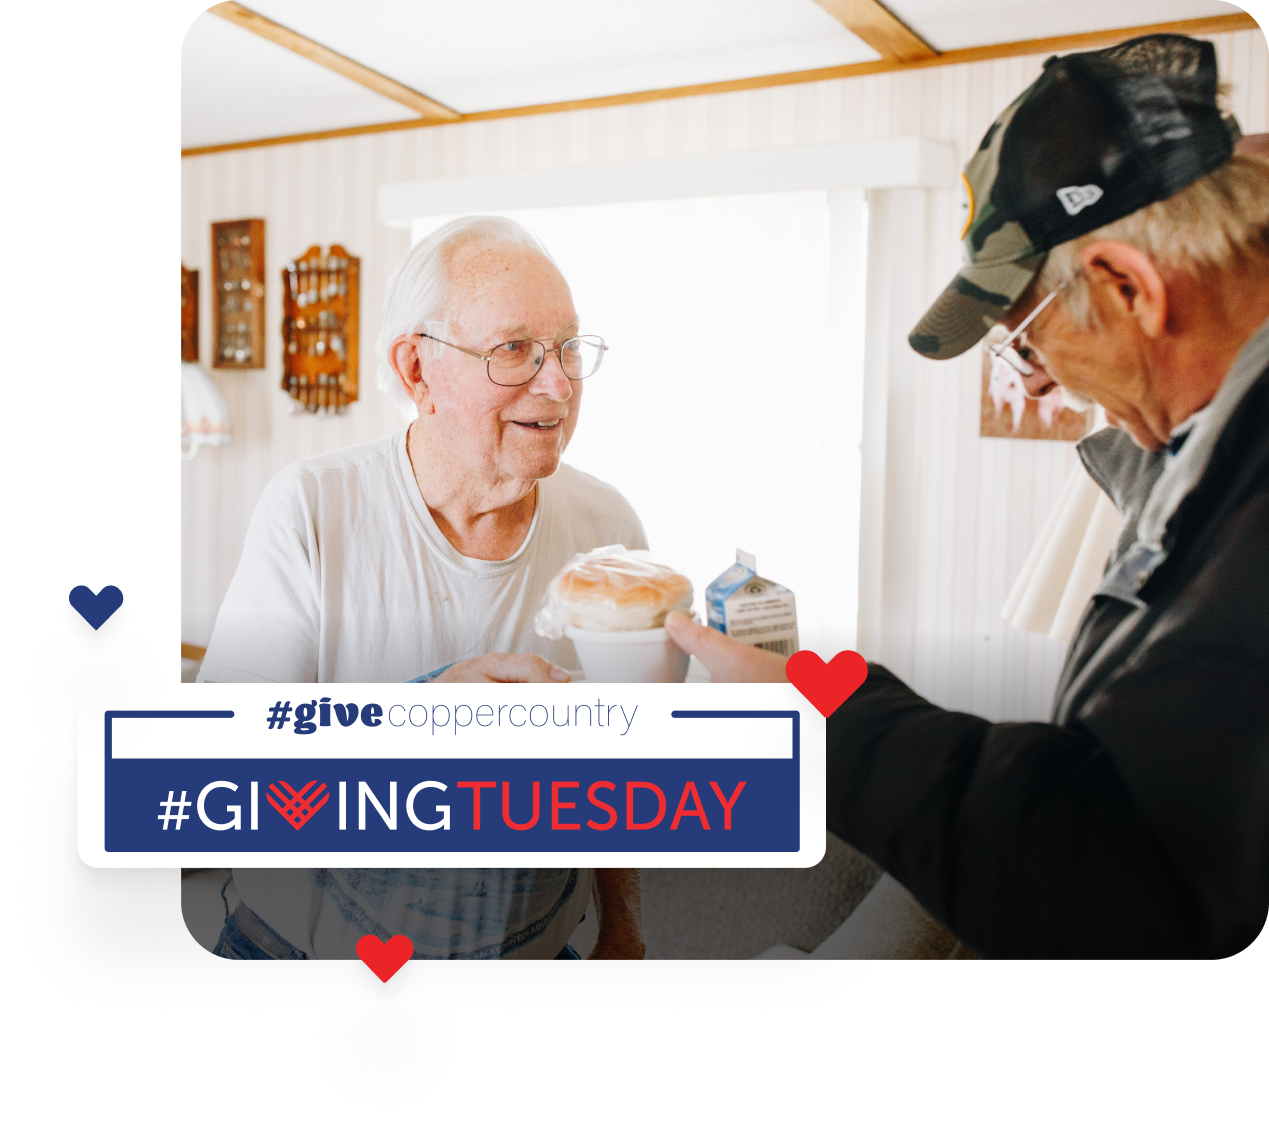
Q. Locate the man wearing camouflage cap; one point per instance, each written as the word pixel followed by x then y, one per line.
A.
pixel 1113 230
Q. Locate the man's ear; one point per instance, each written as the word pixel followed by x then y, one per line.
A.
pixel 1124 280
pixel 403 358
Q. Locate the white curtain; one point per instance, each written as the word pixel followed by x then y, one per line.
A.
pixel 1067 561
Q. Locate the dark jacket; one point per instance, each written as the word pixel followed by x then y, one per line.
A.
pixel 1136 824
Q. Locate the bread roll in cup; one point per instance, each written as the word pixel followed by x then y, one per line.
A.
pixel 612 604
pixel 620 592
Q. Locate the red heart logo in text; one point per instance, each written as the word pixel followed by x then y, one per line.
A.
pixel 384 960
pixel 297 806
pixel 829 685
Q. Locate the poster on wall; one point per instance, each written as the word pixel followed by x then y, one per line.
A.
pixel 1007 413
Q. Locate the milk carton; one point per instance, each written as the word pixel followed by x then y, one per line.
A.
pixel 751 609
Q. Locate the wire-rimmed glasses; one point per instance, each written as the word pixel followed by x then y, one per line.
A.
pixel 516 362
pixel 1021 356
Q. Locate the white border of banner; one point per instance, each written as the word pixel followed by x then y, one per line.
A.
pixel 250 700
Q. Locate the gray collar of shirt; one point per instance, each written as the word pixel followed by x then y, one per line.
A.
pixel 1184 473
pixel 1129 573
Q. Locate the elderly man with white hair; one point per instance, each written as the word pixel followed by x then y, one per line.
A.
pixel 425 555
pixel 1125 245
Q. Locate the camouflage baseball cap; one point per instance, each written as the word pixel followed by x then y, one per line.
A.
pixel 1098 136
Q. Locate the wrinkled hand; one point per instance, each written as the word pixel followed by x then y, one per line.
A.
pixel 504 668
pixel 726 661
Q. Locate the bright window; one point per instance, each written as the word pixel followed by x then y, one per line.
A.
pixel 724 408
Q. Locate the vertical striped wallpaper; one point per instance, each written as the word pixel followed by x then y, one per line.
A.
pixel 981 501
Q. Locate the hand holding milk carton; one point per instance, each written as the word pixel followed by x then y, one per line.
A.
pixel 751 609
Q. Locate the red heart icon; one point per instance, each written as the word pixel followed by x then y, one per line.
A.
pixel 384 960
pixel 829 685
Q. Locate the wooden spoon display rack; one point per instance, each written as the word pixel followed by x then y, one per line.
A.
pixel 189 315
pixel 238 294
pixel 320 303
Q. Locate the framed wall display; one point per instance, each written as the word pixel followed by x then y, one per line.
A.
pixel 238 294
pixel 320 329
pixel 1007 413
pixel 189 315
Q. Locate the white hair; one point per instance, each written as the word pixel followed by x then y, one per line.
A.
pixel 1219 223
pixel 418 293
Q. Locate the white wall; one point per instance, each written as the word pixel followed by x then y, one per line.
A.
pixel 963 512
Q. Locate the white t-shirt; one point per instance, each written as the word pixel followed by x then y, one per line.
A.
pixel 345 576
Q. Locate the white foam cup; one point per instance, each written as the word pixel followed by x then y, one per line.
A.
pixel 643 656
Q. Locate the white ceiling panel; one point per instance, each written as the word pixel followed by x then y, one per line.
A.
pixel 165 84
pixel 236 86
pixel 948 24
pixel 487 54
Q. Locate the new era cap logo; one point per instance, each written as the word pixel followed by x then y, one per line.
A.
pixel 1076 198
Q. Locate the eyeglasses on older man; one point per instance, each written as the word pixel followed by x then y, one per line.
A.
pixel 1016 350
pixel 516 362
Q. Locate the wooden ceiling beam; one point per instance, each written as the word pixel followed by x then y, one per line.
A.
pixel 1081 41
pixel 429 109
pixel 880 29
